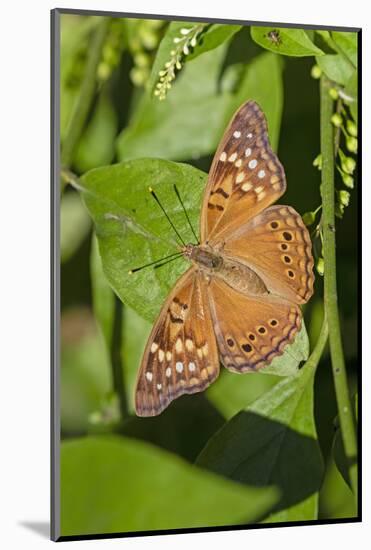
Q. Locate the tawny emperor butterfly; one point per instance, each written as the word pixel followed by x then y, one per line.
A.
pixel 239 300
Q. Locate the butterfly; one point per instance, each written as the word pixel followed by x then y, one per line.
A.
pixel 238 303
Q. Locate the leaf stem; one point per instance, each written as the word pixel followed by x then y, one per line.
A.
pixel 347 424
pixel 85 98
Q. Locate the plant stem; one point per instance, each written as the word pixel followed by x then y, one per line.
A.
pixel 85 98
pixel 347 424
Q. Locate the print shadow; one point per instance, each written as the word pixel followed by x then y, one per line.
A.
pixel 183 428
pixel 257 451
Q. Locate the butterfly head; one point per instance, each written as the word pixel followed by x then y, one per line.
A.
pixel 203 256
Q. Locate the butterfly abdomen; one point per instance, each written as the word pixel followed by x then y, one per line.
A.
pixel 242 278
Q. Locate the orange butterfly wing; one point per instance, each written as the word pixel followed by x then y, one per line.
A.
pixel 245 176
pixel 251 330
pixel 181 355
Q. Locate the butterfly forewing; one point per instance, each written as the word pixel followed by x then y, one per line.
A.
pixel 181 354
pixel 277 245
pixel 245 177
pixel 251 330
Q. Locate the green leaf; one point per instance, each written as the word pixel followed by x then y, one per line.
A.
pixel 351 92
pixel 214 36
pixel 233 392
pixel 75 225
pixel 288 363
pixel 335 67
pixel 132 230
pixel 262 82
pixel 347 45
pixel 193 118
pixel 114 484
pixel 187 124
pixel 97 143
pixel 338 451
pixel 274 441
pixel 293 42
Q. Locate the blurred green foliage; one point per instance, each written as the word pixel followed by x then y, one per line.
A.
pixel 123 473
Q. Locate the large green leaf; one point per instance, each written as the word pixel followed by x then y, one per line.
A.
pixel 114 484
pixel 187 123
pixel 132 229
pixel 346 43
pixel 294 42
pixel 336 68
pixel 192 120
pixel 273 441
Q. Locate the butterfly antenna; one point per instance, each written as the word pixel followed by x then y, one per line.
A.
pixel 167 262
pixel 173 256
pixel 167 216
pixel 186 213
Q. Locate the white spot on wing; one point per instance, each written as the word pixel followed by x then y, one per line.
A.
pixel 149 376
pixel 248 152
pixel 261 174
pixel 240 177
pixel 236 134
pixel 179 366
pixel 168 372
pixel 233 157
pixel 253 163
pixel 238 163
pixel 159 386
pixel 154 347
pixel 223 157
pixel 192 366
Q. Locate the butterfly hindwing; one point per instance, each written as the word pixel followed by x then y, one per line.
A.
pixel 245 176
pixel 181 355
pixel 277 246
pixel 251 330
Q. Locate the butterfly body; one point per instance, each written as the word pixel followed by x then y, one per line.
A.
pixel 238 303
pixel 237 275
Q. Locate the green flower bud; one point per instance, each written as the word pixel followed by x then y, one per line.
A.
pixel 347 180
pixel 352 128
pixel 339 210
pixel 316 72
pixel 352 144
pixel 320 266
pixel 336 120
pixel 348 164
pixel 344 197
pixel 308 218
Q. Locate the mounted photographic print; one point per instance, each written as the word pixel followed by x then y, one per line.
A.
pixel 206 183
